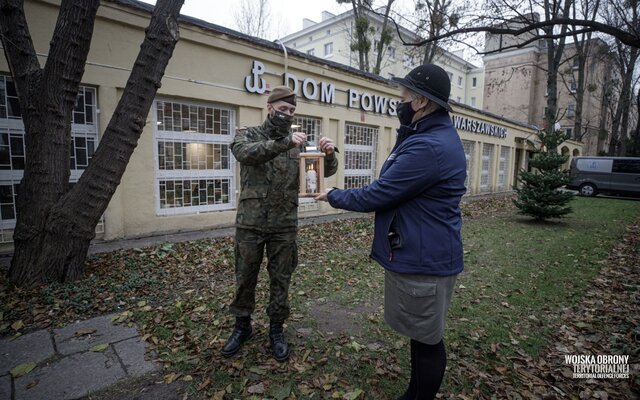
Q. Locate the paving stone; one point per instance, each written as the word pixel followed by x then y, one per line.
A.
pixel 5 387
pixel 132 354
pixel 68 342
pixel 33 347
pixel 70 377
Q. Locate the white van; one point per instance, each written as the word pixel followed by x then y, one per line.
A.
pixel 608 175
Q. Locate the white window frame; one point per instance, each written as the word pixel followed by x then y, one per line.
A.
pixel 14 176
pixel 505 153
pixel 468 147
pixel 372 149
pixel 392 53
pixel 193 174
pixel 485 173
pixel 473 101
pixel 330 46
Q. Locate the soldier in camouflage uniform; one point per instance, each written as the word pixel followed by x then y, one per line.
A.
pixel 268 216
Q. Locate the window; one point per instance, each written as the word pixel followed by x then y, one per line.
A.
pixel 311 52
pixel 485 173
pixel 569 132
pixel 328 32
pixel 459 99
pixel 84 140
pixel 376 43
pixel 312 126
pixel 573 86
pixel 502 167
pixel 459 81
pixel 474 82
pixel 328 49
pixel 571 110
pixel 626 166
pixel 407 60
pixel 392 53
pixel 450 76
pixel 311 38
pixel 468 155
pixel 359 155
pixel 194 165
pixel 473 102
pixel 576 62
pixel 294 44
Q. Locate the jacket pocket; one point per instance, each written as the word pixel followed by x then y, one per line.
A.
pixel 417 298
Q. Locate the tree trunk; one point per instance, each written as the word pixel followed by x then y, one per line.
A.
pixel 619 126
pixel 554 56
pixel 383 38
pixel 56 247
pixel 634 141
pixel 46 99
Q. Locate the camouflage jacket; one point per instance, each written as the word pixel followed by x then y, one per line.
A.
pixel 269 178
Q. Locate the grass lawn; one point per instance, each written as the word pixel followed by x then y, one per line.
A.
pixel 519 276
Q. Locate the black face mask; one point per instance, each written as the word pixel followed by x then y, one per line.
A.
pixel 281 120
pixel 405 113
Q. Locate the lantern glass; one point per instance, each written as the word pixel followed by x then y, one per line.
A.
pixel 311 174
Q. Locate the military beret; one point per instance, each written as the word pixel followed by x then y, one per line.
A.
pixel 282 93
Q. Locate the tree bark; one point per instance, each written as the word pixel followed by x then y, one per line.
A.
pixel 554 56
pixel 619 126
pixel 384 38
pixel 55 247
pixel 46 99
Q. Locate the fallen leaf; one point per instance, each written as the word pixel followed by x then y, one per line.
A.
pixel 99 347
pixel 22 369
pixel 256 389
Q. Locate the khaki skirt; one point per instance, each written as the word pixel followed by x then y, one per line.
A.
pixel 416 305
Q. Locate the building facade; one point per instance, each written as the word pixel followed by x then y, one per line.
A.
pixel 331 39
pixel 182 175
pixel 516 87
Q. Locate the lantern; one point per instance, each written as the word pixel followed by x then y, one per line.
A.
pixel 311 172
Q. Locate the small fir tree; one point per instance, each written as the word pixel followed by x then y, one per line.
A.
pixel 539 196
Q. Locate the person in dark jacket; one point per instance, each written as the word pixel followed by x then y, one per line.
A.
pixel 417 222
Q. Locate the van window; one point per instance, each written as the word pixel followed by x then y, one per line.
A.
pixel 594 165
pixel 626 166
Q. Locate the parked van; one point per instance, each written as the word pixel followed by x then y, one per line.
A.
pixel 609 175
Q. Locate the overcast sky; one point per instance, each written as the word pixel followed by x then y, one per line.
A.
pixel 286 15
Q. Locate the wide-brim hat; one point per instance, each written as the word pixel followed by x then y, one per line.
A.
pixel 430 81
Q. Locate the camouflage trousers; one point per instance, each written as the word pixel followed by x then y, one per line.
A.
pixel 282 256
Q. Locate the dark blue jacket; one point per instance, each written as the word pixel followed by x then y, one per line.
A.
pixel 416 200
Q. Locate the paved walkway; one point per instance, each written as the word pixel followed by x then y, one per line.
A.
pixel 72 361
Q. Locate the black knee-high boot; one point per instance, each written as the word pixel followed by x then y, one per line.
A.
pixel 430 363
pixel 410 394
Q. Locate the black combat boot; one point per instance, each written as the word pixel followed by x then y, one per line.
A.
pixel 279 346
pixel 241 333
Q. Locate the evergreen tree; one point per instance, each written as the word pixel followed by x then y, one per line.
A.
pixel 539 196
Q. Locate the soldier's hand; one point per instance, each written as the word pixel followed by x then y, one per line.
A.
pixel 327 146
pixel 298 138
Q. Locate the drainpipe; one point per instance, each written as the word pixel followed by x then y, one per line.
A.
pixel 286 56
